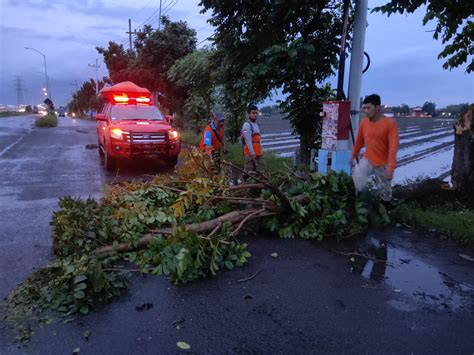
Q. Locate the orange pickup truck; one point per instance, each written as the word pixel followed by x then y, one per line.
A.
pixel 130 127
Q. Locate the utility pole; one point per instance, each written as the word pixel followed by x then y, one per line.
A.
pixel 159 18
pixel 96 66
pixel 19 90
pixel 130 33
pixel 357 60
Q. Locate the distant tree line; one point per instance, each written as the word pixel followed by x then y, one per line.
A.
pixel 430 108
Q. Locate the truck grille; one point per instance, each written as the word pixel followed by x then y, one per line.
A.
pixel 144 138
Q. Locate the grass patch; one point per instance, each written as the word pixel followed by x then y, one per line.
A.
pixel 47 121
pixel 14 113
pixel 454 224
pixel 270 161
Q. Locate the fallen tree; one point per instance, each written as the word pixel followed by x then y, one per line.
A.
pixel 184 226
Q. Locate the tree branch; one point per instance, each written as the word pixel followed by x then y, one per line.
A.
pixel 276 191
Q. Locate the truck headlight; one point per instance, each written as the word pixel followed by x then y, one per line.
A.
pixel 173 135
pixel 116 133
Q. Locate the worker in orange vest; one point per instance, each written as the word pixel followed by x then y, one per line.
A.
pixel 251 140
pixel 212 141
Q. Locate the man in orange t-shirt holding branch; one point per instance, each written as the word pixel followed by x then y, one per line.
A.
pixel 379 135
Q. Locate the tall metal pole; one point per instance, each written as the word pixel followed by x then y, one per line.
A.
pixel 46 79
pixel 159 18
pixel 130 33
pixel 342 52
pixel 357 60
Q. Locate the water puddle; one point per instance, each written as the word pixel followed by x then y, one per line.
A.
pixel 406 274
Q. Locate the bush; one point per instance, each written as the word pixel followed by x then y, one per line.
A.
pixel 190 138
pixel 47 121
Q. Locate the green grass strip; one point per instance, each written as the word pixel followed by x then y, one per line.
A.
pixel 458 225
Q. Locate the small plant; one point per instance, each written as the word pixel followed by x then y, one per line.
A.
pixel 47 121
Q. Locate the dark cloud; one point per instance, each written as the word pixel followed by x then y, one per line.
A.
pixel 91 8
pixel 16 32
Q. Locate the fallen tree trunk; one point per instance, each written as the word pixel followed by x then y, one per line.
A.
pixel 419 190
pixel 203 227
pixel 239 217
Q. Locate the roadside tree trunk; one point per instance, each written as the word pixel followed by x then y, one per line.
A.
pixel 462 171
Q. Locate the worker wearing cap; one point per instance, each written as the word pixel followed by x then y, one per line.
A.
pixel 212 141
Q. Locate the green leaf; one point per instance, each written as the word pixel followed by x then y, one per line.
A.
pixel 79 294
pixel 76 350
pixel 274 255
pixel 228 264
pixel 81 286
pixel 87 333
pixel 84 309
pixel 80 278
pixel 183 345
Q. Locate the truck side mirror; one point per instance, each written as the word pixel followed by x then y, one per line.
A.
pixel 169 118
pixel 100 117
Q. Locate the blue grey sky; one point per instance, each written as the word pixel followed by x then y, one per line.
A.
pixel 404 68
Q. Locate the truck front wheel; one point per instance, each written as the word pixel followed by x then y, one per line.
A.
pixel 172 161
pixel 109 161
pixel 101 148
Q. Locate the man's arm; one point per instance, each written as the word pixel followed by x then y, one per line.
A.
pixel 208 142
pixel 359 141
pixel 247 133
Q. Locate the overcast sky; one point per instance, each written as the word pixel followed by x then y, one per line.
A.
pixel 404 66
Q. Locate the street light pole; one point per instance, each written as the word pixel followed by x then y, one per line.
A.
pixel 45 71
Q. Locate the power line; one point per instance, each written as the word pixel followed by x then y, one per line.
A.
pixel 202 28
pixel 169 7
pixel 152 17
pixel 205 39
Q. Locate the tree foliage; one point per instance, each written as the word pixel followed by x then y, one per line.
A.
pixel 454 26
pixel 288 45
pixel 429 108
pixel 85 99
pixel 155 52
pixel 195 73
pixel 456 110
pixel 402 110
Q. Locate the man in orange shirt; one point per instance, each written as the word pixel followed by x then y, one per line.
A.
pixel 379 135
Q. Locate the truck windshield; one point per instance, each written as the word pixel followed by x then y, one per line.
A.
pixel 136 112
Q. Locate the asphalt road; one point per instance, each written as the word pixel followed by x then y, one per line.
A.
pixel 307 300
